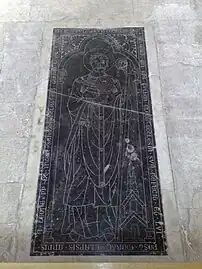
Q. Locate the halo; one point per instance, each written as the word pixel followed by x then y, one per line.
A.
pixel 88 54
pixel 121 63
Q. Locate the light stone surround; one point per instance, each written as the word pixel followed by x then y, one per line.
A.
pixel 174 46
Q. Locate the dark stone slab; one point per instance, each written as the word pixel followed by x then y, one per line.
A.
pixel 98 190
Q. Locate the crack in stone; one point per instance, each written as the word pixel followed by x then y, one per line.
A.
pixel 102 105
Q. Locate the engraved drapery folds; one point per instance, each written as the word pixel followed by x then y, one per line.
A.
pixel 102 186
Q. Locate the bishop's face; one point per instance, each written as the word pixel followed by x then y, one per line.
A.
pixel 99 62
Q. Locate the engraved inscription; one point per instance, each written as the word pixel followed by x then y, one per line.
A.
pixel 98 190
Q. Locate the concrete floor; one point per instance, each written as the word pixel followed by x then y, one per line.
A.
pixel 25 43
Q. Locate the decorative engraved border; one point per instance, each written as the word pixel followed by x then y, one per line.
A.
pixel 33 164
pixel 148 143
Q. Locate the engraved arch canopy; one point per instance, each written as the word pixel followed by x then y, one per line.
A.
pixel 98 187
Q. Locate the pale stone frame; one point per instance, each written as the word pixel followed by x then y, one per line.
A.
pixel 27 207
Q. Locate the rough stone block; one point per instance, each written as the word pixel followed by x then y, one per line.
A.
pixel 172 226
pixel 23 36
pixel 173 10
pixel 181 81
pixel 198 33
pixel 152 10
pixel 88 12
pixel 7 242
pixel 178 32
pixel 183 108
pixel 188 55
pixel 13 155
pixel 1 62
pixel 10 194
pixel 15 119
pixel 184 129
pixel 1 36
pixel 191 233
pixel 17 10
pixel 20 76
pixel 186 164
pixel 197 7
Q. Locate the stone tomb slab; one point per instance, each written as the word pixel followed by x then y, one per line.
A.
pixel 98 188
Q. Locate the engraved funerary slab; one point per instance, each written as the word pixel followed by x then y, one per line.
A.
pixel 98 190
